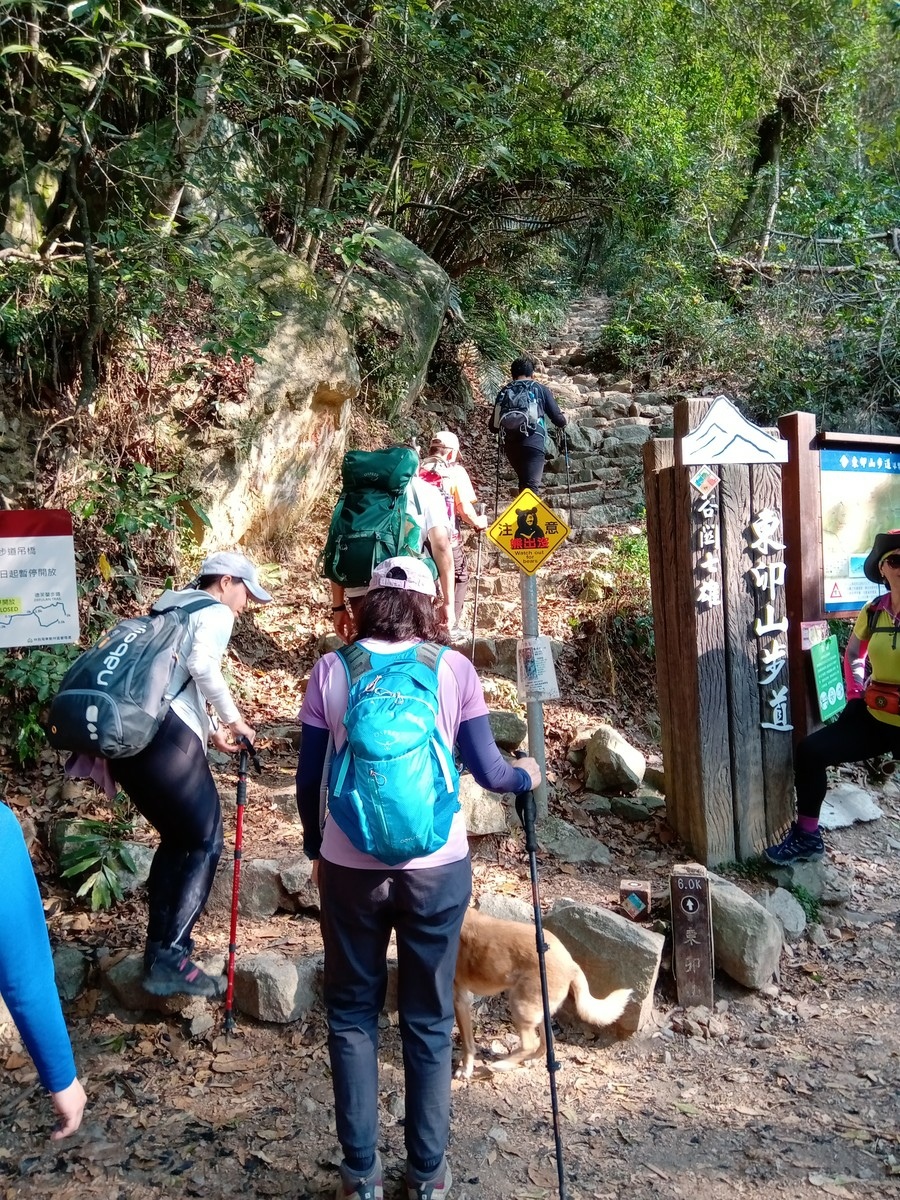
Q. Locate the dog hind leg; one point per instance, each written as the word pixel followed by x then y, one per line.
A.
pixel 462 1009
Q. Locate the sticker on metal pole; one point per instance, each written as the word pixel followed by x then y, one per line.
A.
pixel 528 531
pixel 535 672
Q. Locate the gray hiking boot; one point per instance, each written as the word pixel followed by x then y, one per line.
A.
pixel 435 1188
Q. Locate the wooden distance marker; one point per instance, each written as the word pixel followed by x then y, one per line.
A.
pixel 692 948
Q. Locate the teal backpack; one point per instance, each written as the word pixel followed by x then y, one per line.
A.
pixel 393 787
pixel 370 520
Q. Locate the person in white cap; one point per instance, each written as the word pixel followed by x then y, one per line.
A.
pixel 170 782
pixel 442 469
pixel 423 899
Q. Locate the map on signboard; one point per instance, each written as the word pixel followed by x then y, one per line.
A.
pixel 726 436
pixel 528 531
pixel 38 587
pixel 860 497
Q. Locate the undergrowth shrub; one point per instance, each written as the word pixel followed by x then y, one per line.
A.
pixel 29 679
pixel 94 854
pixel 616 624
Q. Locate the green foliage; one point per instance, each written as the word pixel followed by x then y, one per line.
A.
pixel 28 681
pixel 807 901
pixel 144 514
pixel 95 854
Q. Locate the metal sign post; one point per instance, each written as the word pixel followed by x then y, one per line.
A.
pixel 528 532
pixel 534 709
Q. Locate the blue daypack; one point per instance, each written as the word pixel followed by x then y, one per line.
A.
pixel 393 787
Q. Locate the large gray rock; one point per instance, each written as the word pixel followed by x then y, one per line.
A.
pixel 846 804
pixel 788 912
pixel 269 456
pixel 400 289
pixel 505 908
pixel 613 953
pixel 509 730
pixel 569 844
pixel 142 857
pixel 126 981
pixel 747 940
pixel 486 812
pixel 261 890
pixel 299 891
pixel 271 987
pixel 71 968
pixel 611 764
pixel 820 879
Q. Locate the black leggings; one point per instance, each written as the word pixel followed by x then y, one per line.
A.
pixel 855 735
pixel 171 784
pixel 527 462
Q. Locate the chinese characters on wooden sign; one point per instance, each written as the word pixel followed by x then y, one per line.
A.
pixel 767 578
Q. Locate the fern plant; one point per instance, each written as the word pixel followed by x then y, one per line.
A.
pixel 96 850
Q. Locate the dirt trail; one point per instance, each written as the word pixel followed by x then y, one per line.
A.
pixel 790 1093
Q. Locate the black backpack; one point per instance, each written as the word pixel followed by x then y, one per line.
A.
pixel 115 696
pixel 518 408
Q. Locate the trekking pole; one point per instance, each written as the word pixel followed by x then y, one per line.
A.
pixel 568 479
pixel 477 582
pixel 526 808
pixel 247 753
pixel 497 482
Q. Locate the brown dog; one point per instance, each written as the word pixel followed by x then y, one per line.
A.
pixel 501 956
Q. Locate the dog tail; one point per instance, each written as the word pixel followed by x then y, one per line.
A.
pixel 592 1010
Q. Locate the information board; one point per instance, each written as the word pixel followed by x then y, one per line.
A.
pixel 38 589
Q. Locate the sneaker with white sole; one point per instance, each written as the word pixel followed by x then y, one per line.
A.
pixel 351 1187
pixel 430 1189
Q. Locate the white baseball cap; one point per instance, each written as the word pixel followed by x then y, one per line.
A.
pixel 238 566
pixel 404 572
pixel 445 438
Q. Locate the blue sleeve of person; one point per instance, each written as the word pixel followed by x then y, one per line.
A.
pixel 27 979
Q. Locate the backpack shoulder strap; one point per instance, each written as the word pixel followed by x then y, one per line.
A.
pixel 192 606
pixel 430 654
pixel 356 660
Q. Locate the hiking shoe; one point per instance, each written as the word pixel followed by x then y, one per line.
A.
pixel 173 974
pixel 351 1187
pixel 796 846
pixel 430 1189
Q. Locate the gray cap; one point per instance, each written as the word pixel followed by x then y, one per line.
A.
pixel 238 566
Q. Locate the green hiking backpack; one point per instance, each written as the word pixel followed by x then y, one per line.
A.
pixel 370 520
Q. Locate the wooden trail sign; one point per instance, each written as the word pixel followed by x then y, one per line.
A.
pixel 692 947
pixel 717 579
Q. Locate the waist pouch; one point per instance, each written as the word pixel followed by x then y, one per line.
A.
pixel 883 697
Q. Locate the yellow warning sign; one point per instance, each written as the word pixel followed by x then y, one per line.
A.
pixel 528 531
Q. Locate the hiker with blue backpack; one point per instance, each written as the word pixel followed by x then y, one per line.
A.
pixel 380 719
pixel 384 509
pixel 168 779
pixel 519 419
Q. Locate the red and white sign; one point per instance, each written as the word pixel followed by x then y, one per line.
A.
pixel 38 586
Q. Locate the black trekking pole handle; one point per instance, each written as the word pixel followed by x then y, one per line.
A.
pixel 248 751
pixel 526 808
